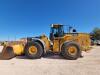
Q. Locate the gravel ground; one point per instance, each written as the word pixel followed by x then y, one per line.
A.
pixel 53 65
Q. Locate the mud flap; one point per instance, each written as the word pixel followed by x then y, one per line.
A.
pixel 7 53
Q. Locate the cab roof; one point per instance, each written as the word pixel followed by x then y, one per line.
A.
pixel 56 25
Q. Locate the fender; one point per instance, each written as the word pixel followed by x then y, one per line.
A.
pixel 40 41
pixel 68 42
pixel 65 42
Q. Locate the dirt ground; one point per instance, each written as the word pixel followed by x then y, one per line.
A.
pixel 53 65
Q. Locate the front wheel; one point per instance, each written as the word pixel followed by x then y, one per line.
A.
pixel 70 50
pixel 33 50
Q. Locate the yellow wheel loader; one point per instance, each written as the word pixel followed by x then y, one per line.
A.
pixel 69 44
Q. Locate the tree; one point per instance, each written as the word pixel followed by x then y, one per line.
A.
pixel 95 33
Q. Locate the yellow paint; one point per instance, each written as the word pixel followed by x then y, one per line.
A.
pixel 81 38
pixel 72 50
pixel 56 44
pixel 46 41
pixel 18 49
pixel 32 50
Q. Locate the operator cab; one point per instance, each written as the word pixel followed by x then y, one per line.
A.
pixel 56 31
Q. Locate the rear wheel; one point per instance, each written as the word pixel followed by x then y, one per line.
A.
pixel 33 50
pixel 71 50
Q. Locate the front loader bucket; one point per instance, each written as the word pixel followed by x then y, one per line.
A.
pixel 7 53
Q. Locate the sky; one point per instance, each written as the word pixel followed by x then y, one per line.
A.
pixel 22 18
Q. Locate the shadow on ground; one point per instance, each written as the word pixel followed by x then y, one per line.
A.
pixel 47 56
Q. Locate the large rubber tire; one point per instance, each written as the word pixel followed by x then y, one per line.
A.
pixel 39 52
pixel 66 54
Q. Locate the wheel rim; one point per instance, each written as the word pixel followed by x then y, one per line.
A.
pixel 72 50
pixel 32 50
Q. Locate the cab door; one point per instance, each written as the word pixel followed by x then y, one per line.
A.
pixel 56 45
pixel 56 40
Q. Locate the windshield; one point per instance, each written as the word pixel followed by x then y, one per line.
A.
pixel 57 32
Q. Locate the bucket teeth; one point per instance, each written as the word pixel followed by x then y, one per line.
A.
pixel 7 53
